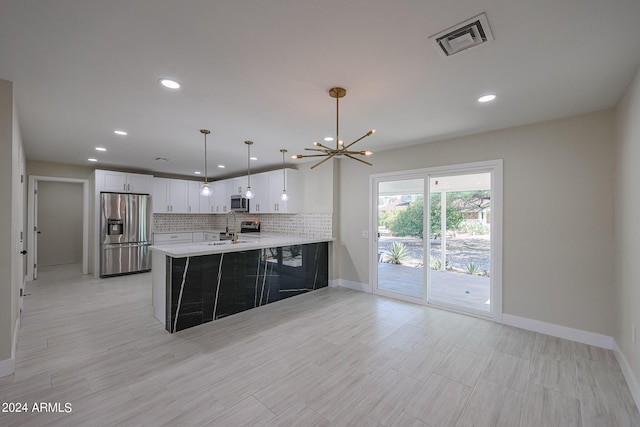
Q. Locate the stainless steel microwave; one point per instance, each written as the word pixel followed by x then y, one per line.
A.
pixel 239 203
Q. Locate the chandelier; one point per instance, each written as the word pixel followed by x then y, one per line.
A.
pixel 340 149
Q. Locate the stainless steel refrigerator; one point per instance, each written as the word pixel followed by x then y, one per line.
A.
pixel 125 233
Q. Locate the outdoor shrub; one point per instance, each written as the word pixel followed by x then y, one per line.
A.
pixel 472 268
pixel 396 253
pixel 436 263
pixel 474 227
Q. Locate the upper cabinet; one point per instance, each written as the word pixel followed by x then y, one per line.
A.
pixel 170 195
pixel 260 187
pixel 123 182
pixel 291 179
pixel 238 185
pixel 196 203
pixel 183 196
pixel 268 188
pixel 221 196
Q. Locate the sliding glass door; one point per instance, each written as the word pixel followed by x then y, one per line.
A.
pixel 460 241
pixel 444 248
pixel 400 245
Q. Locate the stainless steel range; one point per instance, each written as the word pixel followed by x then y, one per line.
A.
pixel 125 233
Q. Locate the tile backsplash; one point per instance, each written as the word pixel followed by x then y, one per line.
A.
pixel 306 225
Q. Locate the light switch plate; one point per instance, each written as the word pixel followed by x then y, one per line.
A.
pixel 365 234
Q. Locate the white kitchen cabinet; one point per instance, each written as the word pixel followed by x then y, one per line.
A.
pixel 198 236
pixel 205 201
pixel 170 195
pixel 293 179
pixel 208 236
pixel 193 198
pixel 172 238
pixel 238 185
pixel 260 187
pixel 123 182
pixel 159 196
pixel 221 197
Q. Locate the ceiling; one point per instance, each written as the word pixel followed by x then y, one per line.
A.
pixel 261 70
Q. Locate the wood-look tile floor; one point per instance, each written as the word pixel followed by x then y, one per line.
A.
pixel 333 357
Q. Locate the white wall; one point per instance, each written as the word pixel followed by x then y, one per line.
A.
pixel 59 223
pixel 317 187
pixel 11 224
pixel 627 228
pixel 558 216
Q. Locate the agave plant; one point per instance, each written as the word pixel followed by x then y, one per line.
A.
pixel 472 268
pixel 396 253
pixel 436 263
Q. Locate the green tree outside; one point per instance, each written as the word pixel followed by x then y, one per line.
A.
pixel 409 222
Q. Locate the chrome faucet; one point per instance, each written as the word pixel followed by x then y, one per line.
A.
pixel 234 237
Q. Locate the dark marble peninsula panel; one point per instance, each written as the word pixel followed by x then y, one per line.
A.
pixel 208 287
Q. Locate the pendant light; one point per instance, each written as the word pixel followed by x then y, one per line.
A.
pixel 284 197
pixel 249 194
pixel 205 189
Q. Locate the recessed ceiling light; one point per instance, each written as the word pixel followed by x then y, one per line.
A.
pixel 197 172
pixel 101 149
pixel 253 158
pixel 221 166
pixel 93 160
pixel 171 84
pixel 120 132
pixel 328 138
pixel 487 98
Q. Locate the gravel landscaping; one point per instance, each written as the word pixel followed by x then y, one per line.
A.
pixel 461 250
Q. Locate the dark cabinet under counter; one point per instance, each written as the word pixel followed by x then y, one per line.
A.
pixel 203 288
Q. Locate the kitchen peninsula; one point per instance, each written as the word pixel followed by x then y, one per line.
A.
pixel 195 283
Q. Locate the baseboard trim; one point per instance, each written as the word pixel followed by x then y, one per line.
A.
pixel 578 335
pixel 363 287
pixel 14 347
pixel 628 373
pixel 8 366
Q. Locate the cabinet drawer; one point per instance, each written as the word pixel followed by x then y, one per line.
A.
pixel 169 238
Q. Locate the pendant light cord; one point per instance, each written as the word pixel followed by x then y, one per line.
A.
pixel 205 159
pixel 284 179
pixel 248 165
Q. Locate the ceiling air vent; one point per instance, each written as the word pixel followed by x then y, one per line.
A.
pixel 466 35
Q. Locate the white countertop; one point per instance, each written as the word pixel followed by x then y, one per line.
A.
pixel 246 241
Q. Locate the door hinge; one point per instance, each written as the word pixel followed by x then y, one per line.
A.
pixel 35 191
pixel 35 265
pixel 20 292
pixel 21 179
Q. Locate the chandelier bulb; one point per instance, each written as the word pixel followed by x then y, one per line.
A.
pixel 249 193
pixel 284 197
